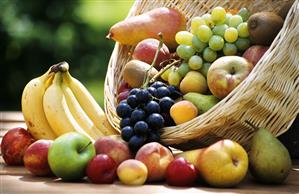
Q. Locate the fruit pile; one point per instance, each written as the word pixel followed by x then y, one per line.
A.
pixel 174 76
pixel 72 156
pixel 206 64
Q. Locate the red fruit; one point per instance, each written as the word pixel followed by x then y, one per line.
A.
pixel 123 96
pixel 254 53
pixel 36 158
pixel 181 173
pixel 101 169
pixel 124 86
pixel 115 147
pixel 146 49
pixel 13 146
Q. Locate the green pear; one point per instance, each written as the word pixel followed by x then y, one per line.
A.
pixel 269 160
pixel 201 101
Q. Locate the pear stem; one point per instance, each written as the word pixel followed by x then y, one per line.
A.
pixel 83 148
pixel 146 77
pixel 251 125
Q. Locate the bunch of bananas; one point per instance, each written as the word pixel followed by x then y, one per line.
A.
pixel 56 103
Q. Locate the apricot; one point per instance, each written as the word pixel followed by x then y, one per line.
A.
pixel 183 111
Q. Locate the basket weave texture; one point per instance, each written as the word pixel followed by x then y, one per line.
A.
pixel 268 97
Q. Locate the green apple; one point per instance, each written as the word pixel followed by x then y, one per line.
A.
pixel 69 155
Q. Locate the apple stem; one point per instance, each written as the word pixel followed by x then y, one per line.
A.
pixel 175 62
pixel 146 77
pixel 83 148
pixel 251 125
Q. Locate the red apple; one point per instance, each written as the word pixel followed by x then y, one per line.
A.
pixel 226 73
pixel 13 146
pixel 114 147
pixel 181 173
pixel 101 169
pixel 36 158
pixel 145 51
pixel 254 53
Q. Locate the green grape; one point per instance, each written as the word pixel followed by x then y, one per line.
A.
pixel 242 44
pixel 184 37
pixel 243 30
pixel 205 68
pixel 220 29
pixel 195 62
pixel 216 43
pixel 209 55
pixel 235 20
pixel 227 18
pixel 174 78
pixel 230 49
pixel 204 33
pixel 208 19
pixel 183 69
pixel 244 13
pixel 231 34
pixel 165 75
pixel 185 51
pixel 218 15
pixel 196 22
pixel 198 45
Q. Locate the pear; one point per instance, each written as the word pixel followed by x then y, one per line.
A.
pixel 201 101
pixel 167 21
pixel 269 160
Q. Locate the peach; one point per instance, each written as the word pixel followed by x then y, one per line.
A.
pixel 146 49
pixel 183 111
pixel 132 172
pixel 156 157
pixel 114 147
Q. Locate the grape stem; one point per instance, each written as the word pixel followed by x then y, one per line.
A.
pixel 146 77
pixel 175 62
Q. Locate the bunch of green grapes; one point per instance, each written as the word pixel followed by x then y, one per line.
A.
pixel 212 35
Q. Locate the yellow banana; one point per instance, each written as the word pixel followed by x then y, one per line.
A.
pixel 79 114
pixel 57 110
pixel 32 107
pixel 89 105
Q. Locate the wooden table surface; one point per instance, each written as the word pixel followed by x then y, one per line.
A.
pixel 16 180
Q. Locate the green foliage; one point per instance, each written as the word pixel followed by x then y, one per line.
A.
pixel 36 34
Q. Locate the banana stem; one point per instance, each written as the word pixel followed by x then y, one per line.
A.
pixel 146 77
pixel 62 67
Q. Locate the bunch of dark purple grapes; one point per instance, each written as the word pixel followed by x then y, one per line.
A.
pixel 145 112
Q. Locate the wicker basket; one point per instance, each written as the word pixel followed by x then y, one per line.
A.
pixel 268 97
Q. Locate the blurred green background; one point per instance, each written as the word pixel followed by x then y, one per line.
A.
pixel 34 34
